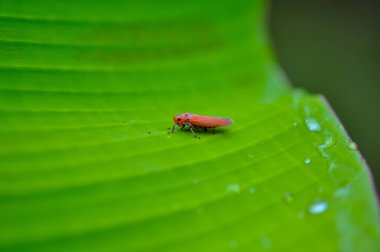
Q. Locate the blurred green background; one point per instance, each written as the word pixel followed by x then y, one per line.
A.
pixel 332 47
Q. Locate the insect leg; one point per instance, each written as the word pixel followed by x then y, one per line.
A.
pixel 191 128
pixel 172 129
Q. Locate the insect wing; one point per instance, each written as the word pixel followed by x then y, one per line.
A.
pixel 209 121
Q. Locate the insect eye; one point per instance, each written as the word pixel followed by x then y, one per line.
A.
pixel 179 119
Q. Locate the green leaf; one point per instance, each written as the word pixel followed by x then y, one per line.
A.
pixel 87 92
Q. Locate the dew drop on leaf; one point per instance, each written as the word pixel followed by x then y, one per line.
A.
pixel 352 145
pixel 313 125
pixel 329 142
pixel 234 188
pixel 341 172
pixel 251 190
pixel 342 192
pixel 307 161
pixel 318 207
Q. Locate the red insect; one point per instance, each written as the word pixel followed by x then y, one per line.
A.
pixel 199 121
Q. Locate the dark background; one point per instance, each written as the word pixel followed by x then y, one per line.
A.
pixel 333 48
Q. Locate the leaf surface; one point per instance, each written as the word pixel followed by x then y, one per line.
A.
pixel 87 92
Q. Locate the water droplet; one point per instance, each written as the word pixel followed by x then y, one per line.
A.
pixel 342 172
pixel 233 244
pixel 307 161
pixel 234 188
pixel 288 196
pixel 251 190
pixel 330 141
pixel 250 156
pixel 352 145
pixel 265 242
pixel 295 124
pixel 318 207
pixel 195 181
pixel 313 125
pixel 342 192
